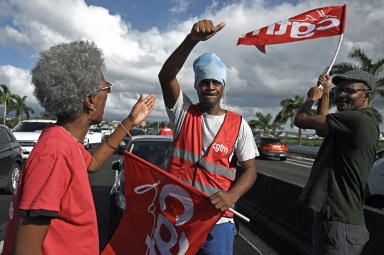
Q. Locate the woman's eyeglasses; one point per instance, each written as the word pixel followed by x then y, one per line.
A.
pixel 347 91
pixel 108 88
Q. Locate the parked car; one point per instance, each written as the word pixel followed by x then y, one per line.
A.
pixel 137 131
pixel 271 147
pixel 11 160
pixel 27 132
pixel 155 149
pixel 94 136
pixel 106 132
pixel 374 193
pixel 125 141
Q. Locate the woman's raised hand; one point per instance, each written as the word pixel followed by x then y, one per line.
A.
pixel 142 109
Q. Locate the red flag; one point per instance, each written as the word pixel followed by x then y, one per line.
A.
pixel 164 215
pixel 322 22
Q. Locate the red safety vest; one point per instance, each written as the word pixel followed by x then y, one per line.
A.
pixel 211 172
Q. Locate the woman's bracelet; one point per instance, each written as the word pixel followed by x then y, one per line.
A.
pixel 129 134
pixel 109 145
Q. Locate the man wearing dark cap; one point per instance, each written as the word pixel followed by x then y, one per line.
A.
pixel 335 188
pixel 208 139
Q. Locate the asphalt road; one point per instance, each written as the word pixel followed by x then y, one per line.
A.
pixel 294 170
pixel 5 200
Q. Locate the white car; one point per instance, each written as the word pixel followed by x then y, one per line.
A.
pixel 106 131
pixel 375 184
pixel 94 136
pixel 27 132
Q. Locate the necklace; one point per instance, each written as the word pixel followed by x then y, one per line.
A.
pixel 71 135
pixel 77 142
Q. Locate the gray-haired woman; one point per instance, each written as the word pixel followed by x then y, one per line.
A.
pixel 53 210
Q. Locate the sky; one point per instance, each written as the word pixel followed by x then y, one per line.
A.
pixel 136 38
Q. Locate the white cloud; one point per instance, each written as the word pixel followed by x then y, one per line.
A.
pixel 10 36
pixel 19 82
pixel 180 6
pixel 256 82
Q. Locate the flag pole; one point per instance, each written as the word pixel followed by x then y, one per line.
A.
pixel 337 52
pixel 239 214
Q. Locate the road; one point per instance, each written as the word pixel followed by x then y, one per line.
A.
pixel 295 171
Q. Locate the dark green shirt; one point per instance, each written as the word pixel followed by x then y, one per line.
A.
pixel 340 171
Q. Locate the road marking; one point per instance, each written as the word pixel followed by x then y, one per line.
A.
pixel 292 163
pixel 302 161
pixel 250 244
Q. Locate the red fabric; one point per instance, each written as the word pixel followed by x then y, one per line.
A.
pixel 166 131
pixel 164 215
pixel 322 22
pixel 55 179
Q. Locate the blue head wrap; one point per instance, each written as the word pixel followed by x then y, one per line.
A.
pixel 209 66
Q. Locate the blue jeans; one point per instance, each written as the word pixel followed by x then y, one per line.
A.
pixel 338 238
pixel 219 241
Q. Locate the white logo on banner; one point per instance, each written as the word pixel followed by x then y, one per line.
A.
pixel 155 238
pixel 301 28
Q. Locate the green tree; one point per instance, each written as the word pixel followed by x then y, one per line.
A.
pixel 5 99
pixel 47 116
pixel 264 122
pixel 290 106
pixel 252 123
pixel 20 107
pixel 363 63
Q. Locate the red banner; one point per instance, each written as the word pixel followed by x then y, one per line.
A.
pixel 164 215
pixel 322 22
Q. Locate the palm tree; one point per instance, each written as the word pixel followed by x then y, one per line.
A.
pixel 264 122
pixel 255 124
pixel 5 99
pixel 18 105
pixel 290 106
pixel 365 64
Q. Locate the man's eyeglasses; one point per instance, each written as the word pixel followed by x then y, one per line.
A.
pixel 347 91
pixel 108 88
